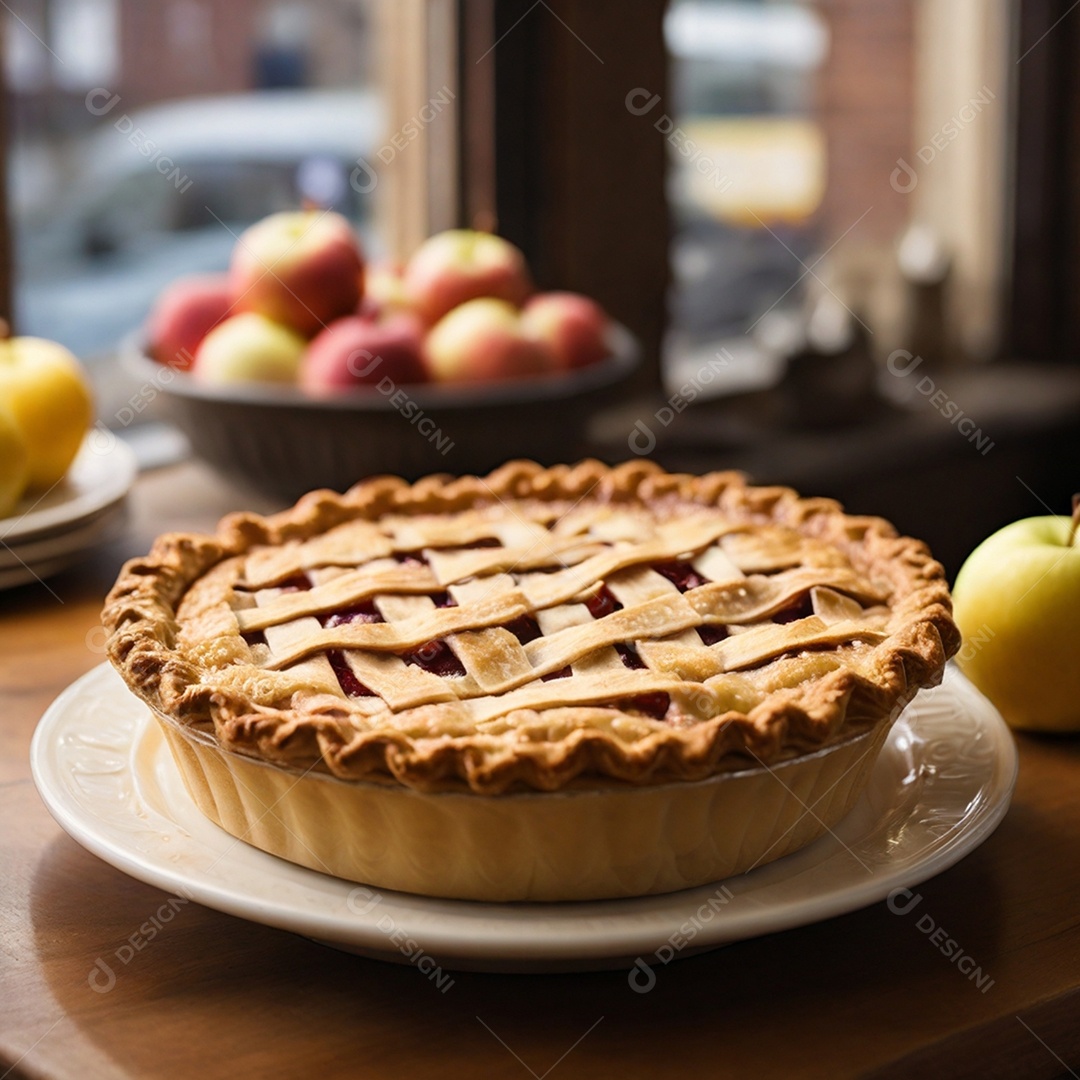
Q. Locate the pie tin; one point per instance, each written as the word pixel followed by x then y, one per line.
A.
pixel 585 843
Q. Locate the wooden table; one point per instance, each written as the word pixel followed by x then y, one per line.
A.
pixel 865 994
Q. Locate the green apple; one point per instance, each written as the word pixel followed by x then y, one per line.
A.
pixel 1017 603
pixel 14 463
pixel 48 396
pixel 249 348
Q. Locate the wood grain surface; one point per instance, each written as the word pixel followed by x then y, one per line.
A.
pixel 211 995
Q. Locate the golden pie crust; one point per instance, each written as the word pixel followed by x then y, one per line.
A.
pixel 580 637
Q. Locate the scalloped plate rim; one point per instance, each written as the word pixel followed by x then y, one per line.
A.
pixel 502 937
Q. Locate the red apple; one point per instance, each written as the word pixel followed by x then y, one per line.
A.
pixel 249 348
pixel 384 290
pixel 185 312
pixel 574 327
pixel 484 340
pixel 301 268
pixel 362 351
pixel 459 265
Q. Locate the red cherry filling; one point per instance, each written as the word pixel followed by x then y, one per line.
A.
pixel 602 602
pixel 444 599
pixel 562 673
pixel 361 613
pixel 654 705
pixel 525 628
pixel 630 657
pixel 681 574
pixel 297 583
pixel 254 637
pixel 802 608
pixel 710 635
pixel 351 686
pixel 410 558
pixel 483 542
pixel 436 657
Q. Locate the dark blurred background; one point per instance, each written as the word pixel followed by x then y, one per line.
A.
pixel 845 233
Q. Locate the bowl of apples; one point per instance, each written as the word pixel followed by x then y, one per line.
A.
pixel 306 367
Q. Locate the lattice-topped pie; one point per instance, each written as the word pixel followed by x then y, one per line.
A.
pixel 542 684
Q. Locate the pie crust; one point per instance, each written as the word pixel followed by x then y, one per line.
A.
pixel 580 681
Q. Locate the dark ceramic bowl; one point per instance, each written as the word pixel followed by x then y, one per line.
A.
pixel 283 442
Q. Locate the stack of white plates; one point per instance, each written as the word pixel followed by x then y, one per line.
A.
pixel 50 531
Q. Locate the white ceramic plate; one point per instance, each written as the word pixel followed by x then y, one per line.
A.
pixel 73 542
pixel 101 475
pixel 940 787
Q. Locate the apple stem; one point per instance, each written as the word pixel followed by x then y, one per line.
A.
pixel 1075 520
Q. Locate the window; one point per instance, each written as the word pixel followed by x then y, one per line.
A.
pixel 143 137
pixel 806 139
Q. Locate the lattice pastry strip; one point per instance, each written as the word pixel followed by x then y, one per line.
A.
pixel 603 687
pixel 315 670
pixel 715 565
pixel 574 592
pixel 636 585
pixel 461 530
pixel 342 590
pixel 609 524
pixel 754 598
pixel 347 545
pixel 495 657
pixel 456 565
pixel 841 620
pixel 401 685
pixel 496 663
pixel 771 549
pixel 410 633
pixel 655 627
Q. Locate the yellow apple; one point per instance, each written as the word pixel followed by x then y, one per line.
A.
pixel 249 348
pixel 14 464
pixel 49 398
pixel 1017 603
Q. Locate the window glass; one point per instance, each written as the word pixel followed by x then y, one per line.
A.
pixel 788 123
pixel 144 137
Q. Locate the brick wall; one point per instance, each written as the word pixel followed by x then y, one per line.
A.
pixel 866 96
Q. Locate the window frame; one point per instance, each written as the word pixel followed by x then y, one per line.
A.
pixel 536 119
